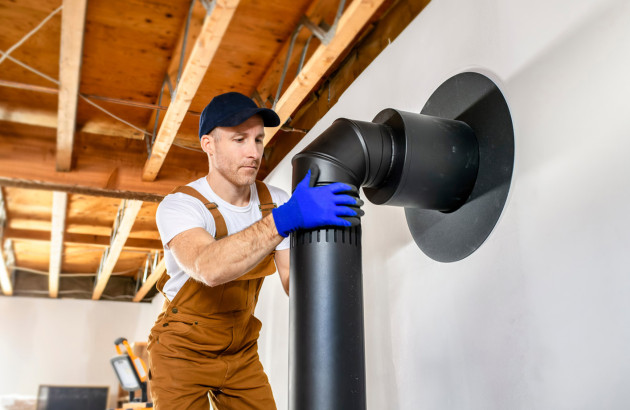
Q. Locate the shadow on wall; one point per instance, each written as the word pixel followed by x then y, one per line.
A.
pixel 584 52
pixel 386 222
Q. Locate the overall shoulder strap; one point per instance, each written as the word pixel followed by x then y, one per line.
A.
pixel 219 222
pixel 264 197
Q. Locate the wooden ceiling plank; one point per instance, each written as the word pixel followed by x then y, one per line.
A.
pixel 356 16
pixel 59 207
pixel 212 32
pixel 72 29
pixel 6 54
pixel 150 282
pixel 32 235
pixel 129 210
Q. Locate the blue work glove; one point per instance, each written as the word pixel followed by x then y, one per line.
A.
pixel 312 207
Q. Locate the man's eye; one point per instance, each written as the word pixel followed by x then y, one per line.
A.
pixel 238 139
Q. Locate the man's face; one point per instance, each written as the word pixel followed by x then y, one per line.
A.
pixel 236 152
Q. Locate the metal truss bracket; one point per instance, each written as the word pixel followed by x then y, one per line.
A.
pixel 256 97
pixel 209 5
pixel 324 34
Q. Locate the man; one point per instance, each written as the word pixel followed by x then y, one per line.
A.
pixel 222 235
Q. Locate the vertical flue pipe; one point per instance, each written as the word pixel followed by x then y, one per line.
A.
pixel 327 355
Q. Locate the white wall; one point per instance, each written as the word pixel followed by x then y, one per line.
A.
pixel 66 342
pixel 539 316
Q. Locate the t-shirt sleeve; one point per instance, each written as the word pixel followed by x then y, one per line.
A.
pixel 280 197
pixel 178 213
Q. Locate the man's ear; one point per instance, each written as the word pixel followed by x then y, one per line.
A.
pixel 207 144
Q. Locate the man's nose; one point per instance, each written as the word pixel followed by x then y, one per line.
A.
pixel 252 149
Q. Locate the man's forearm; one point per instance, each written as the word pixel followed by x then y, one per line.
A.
pixel 231 257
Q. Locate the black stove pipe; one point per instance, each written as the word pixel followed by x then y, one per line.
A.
pixel 401 159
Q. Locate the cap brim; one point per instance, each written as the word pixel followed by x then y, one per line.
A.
pixel 269 117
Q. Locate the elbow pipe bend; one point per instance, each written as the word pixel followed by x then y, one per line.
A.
pixel 400 158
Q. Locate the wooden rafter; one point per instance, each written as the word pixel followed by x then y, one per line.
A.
pixel 72 28
pixel 30 235
pixel 60 203
pixel 356 16
pixel 150 282
pixel 212 32
pixel 128 211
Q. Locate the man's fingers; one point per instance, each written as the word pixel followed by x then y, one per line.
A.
pixel 306 180
pixel 345 211
pixel 314 176
pixel 345 200
pixel 338 187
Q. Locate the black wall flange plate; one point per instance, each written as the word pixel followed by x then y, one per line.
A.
pixel 474 99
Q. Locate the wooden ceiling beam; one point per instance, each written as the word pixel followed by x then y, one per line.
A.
pixel 128 211
pixel 96 170
pixel 151 281
pixel 80 239
pixel 212 32
pixel 352 21
pixel 59 207
pixel 72 29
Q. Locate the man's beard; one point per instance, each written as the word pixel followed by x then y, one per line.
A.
pixel 240 179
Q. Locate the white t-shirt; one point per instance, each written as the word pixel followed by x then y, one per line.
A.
pixel 180 212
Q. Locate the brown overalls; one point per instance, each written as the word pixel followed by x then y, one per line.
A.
pixel 205 340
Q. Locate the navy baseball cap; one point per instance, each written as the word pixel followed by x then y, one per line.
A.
pixel 231 109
